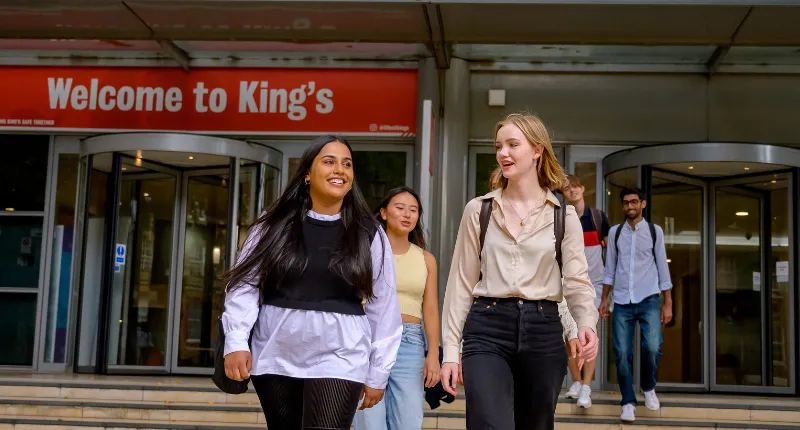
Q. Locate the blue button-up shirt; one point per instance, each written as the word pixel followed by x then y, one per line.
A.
pixel 636 275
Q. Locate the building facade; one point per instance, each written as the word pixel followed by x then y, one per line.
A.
pixel 132 168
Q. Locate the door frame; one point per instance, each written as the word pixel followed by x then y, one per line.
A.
pixel 119 146
pixel 784 160
pixel 160 170
pixel 175 310
pixel 764 250
pixel 704 246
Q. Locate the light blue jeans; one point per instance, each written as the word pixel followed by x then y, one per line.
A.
pixel 404 399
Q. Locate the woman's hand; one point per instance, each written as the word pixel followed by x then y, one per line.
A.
pixel 588 339
pixel 575 349
pixel 432 371
pixel 450 377
pixel 370 397
pixel 238 365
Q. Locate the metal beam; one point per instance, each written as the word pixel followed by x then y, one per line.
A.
pixel 436 42
pixel 177 54
pixel 716 59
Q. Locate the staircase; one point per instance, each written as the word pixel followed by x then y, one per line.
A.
pixel 80 402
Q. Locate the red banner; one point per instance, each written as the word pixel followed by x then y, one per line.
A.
pixel 238 101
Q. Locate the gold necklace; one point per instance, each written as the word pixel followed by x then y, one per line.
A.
pixel 535 206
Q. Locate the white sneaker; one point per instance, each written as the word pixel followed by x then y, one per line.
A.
pixel 585 397
pixel 651 400
pixel 573 390
pixel 628 413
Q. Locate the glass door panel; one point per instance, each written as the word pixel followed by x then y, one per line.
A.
pixel 739 284
pixel 140 291
pixel 779 266
pixel 676 204
pixel 204 250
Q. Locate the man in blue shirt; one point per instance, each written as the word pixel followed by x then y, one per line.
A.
pixel 636 267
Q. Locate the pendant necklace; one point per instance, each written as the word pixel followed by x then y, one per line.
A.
pixel 521 219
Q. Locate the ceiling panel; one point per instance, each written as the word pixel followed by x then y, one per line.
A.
pixel 590 24
pixel 284 21
pixel 763 55
pixel 338 50
pixel 91 19
pixel 777 25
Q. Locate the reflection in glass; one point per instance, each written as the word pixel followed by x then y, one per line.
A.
pixel 140 289
pixel 60 287
pixel 678 208
pixel 587 172
pixel 738 287
pixel 23 171
pixel 20 251
pixel 202 292
pixel 615 183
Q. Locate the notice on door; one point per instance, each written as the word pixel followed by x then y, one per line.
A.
pixel 782 271
pixel 756 281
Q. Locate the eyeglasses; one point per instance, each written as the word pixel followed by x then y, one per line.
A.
pixel 630 202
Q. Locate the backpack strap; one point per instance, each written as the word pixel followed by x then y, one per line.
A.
pixel 559 215
pixel 653 236
pixel 486 213
pixel 597 221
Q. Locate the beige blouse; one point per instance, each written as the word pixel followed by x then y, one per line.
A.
pixel 524 267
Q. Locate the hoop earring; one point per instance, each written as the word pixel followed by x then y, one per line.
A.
pixel 308 181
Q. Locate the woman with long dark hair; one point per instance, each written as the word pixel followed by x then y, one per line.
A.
pixel 315 286
pixel 505 285
pixel 415 269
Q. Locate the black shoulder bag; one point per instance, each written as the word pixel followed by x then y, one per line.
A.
pixel 227 385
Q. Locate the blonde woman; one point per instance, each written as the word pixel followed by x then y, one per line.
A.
pixel 504 288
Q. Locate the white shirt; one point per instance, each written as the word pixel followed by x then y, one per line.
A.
pixel 313 344
pixel 638 275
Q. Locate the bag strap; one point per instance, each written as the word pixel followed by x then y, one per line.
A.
pixel 486 213
pixel 559 215
pixel 653 237
pixel 597 221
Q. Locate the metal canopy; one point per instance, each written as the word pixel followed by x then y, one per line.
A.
pixel 601 22
pixel 709 35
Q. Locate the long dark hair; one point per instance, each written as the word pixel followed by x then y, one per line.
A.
pixel 417 235
pixel 279 251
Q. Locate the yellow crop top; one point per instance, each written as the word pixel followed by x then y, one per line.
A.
pixel 411 276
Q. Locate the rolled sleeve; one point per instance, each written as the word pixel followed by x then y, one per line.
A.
pixel 465 271
pixel 383 313
pixel 578 289
pixel 241 304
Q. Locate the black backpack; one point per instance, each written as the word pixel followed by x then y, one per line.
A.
pixel 558 219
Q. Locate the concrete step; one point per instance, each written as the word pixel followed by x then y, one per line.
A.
pixel 156 402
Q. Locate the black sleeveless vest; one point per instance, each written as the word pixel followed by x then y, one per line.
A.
pixel 318 288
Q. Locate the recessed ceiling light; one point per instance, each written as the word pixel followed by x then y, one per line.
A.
pixel 742 213
pixel 147 194
pixel 609 193
pixel 669 260
pixel 9 209
pixel 774 181
pixel 124 169
pixel 191 158
pixel 691 167
pixel 746 168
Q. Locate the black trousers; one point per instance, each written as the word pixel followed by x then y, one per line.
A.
pixel 295 404
pixel 514 363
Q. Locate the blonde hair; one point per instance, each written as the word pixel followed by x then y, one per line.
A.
pixel 548 171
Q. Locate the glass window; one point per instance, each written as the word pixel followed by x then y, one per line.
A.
pixel 61 260
pixel 20 251
pixel 587 172
pixel 23 172
pixel 485 164
pixel 377 172
pixel 18 318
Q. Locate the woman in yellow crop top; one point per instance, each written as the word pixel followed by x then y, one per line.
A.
pixel 415 272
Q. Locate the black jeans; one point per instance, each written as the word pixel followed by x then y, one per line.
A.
pixel 313 403
pixel 514 363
